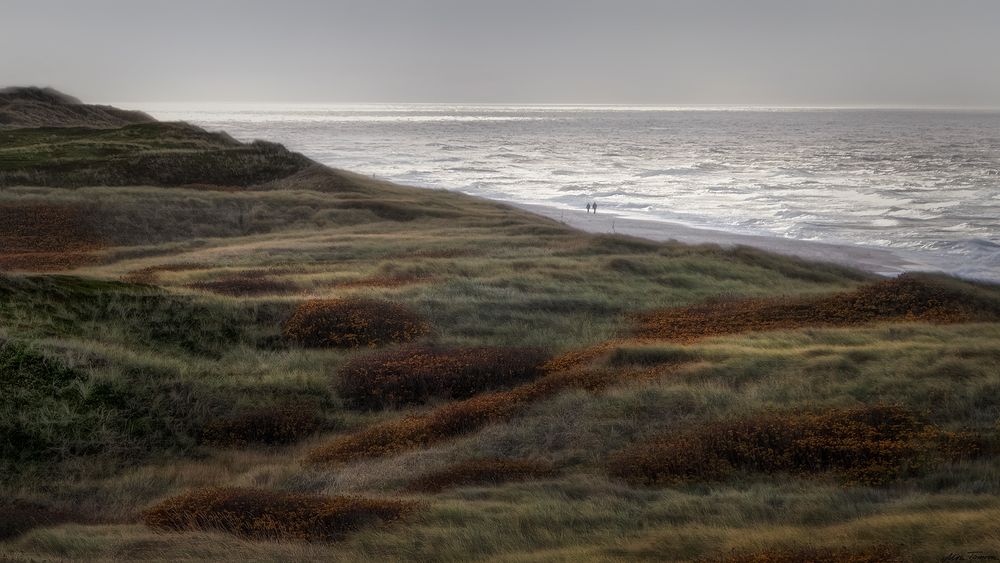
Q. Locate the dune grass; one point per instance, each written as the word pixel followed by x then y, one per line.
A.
pixel 162 363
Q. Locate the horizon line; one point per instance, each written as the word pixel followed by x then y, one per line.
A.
pixel 645 105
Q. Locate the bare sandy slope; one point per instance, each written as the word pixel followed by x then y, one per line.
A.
pixel 875 260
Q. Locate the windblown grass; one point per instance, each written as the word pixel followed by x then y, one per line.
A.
pixel 270 426
pixel 907 298
pixel 18 516
pixel 268 515
pixel 876 554
pixel 481 472
pixel 461 417
pixel 415 374
pixel 353 323
pixel 866 445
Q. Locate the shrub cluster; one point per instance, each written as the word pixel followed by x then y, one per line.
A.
pixel 456 418
pixel 906 298
pixel 481 472
pixel 45 238
pixel 874 554
pixel 388 281
pixel 417 373
pixel 271 426
pixel 270 515
pixel 867 445
pixel 244 284
pixel 352 323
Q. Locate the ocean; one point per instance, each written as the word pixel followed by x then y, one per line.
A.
pixel 924 184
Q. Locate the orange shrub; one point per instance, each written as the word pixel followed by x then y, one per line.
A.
pixel 417 373
pixel 875 554
pixel 271 515
pixel 871 445
pixel 44 237
pixel 249 283
pixel 481 472
pixel 460 417
pixel 353 322
pixel 384 281
pixel 261 426
pixel 906 298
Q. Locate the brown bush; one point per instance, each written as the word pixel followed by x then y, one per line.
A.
pixel 875 554
pixel 906 298
pixel 43 237
pixel 272 426
pixel 869 445
pixel 461 417
pixel 18 516
pixel 417 373
pixel 389 281
pixel 353 322
pixel 244 284
pixel 481 472
pixel 270 515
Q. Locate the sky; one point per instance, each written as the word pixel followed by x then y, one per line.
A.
pixel 742 52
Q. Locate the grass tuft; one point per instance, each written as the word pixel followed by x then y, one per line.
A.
pixel 415 374
pixel 865 445
pixel 270 426
pixel 269 515
pixel 353 323
pixel 481 472
pixel 907 298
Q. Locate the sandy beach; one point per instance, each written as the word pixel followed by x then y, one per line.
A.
pixel 879 261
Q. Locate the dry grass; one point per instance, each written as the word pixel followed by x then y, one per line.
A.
pixel 415 374
pixel 864 445
pixel 876 554
pixel 41 237
pixel 18 516
pixel 352 323
pixel 461 417
pixel 246 284
pixel 391 281
pixel 268 515
pixel 907 298
pixel 481 472
pixel 149 274
pixel 271 426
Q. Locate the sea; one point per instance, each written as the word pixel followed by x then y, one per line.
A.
pixel 922 183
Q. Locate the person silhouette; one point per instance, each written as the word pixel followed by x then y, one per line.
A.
pixel 588 207
pixel 594 206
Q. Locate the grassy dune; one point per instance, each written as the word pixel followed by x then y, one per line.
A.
pixel 157 406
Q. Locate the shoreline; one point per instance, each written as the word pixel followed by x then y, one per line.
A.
pixel 879 261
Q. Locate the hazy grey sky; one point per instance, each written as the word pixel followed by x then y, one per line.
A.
pixel 774 52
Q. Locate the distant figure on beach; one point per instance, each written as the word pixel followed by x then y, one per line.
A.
pixel 594 205
pixel 588 207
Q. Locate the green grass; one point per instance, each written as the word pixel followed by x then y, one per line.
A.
pixel 110 384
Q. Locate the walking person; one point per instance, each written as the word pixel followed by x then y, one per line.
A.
pixel 588 207
pixel 594 205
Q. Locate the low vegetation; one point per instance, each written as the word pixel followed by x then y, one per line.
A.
pixel 866 445
pixel 415 374
pixel 481 472
pixel 875 554
pixel 266 515
pixel 271 426
pixel 353 323
pixel 907 298
pixel 461 417
pixel 247 355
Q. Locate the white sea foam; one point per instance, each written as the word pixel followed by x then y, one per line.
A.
pixel 920 182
